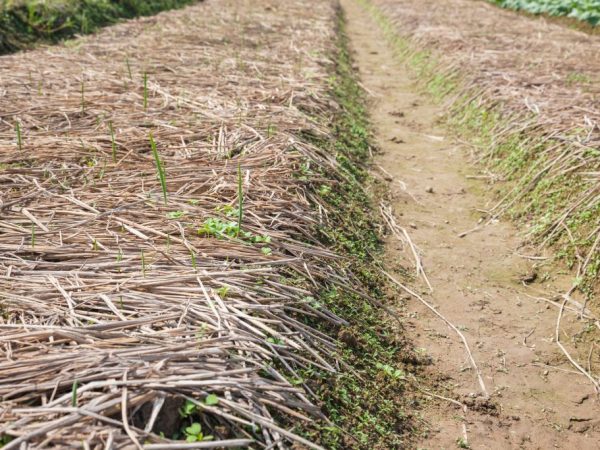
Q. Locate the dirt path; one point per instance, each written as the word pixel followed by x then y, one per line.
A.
pixel 540 401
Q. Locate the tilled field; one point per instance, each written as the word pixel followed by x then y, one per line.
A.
pixel 132 300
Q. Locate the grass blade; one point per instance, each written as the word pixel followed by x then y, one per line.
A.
pixel 82 97
pixel 143 263
pixel 240 200
pixel 128 68
pixel 112 140
pixel 160 170
pixel 19 140
pixel 74 394
pixel 194 264
pixel 145 91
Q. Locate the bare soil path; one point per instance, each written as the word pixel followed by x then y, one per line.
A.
pixel 536 399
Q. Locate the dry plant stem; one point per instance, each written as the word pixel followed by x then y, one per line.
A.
pixel 126 427
pixel 568 355
pixel 450 324
pixel 441 397
pixel 402 235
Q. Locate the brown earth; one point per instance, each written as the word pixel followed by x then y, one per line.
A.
pixel 481 283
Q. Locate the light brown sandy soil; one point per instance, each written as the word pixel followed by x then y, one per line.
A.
pixel 540 401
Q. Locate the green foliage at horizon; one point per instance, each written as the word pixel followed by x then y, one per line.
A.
pixel 24 22
pixel 584 10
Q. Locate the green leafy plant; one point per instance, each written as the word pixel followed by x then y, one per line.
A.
pixel 218 228
pixel 223 291
pixel 24 22
pixel 187 409
pixel 211 400
pixel 274 340
pixel 160 169
pixel 193 433
pixel 584 10
pixel 176 214
pixel 396 374
pixel 462 443
pixel 228 210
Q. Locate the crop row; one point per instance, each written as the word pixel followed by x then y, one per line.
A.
pixel 584 10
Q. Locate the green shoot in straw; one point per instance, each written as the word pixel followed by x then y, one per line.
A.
pixel 193 260
pixel 128 68
pixel 145 91
pixel 240 200
pixel 160 170
pixel 112 140
pixel 74 394
pixel 19 140
pixel 32 235
pixel 143 263
pixel 82 97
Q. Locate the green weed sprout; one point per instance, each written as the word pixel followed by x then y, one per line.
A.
pixel 160 170
pixel 240 200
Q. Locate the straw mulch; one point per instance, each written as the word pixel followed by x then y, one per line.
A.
pixel 114 308
pixel 545 80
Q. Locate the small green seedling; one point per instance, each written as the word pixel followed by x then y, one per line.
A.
pixel 211 400
pixel 82 97
pixel 32 235
pixel 145 91
pixel 112 141
pixel 187 409
pixel 128 68
pixel 194 264
pixel 19 138
pixel 175 214
pixel 217 228
pixel 462 443
pixel 143 263
pixel 160 170
pixel 193 433
pixel 223 291
pixel 74 394
pixel 240 200
pixel 396 374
